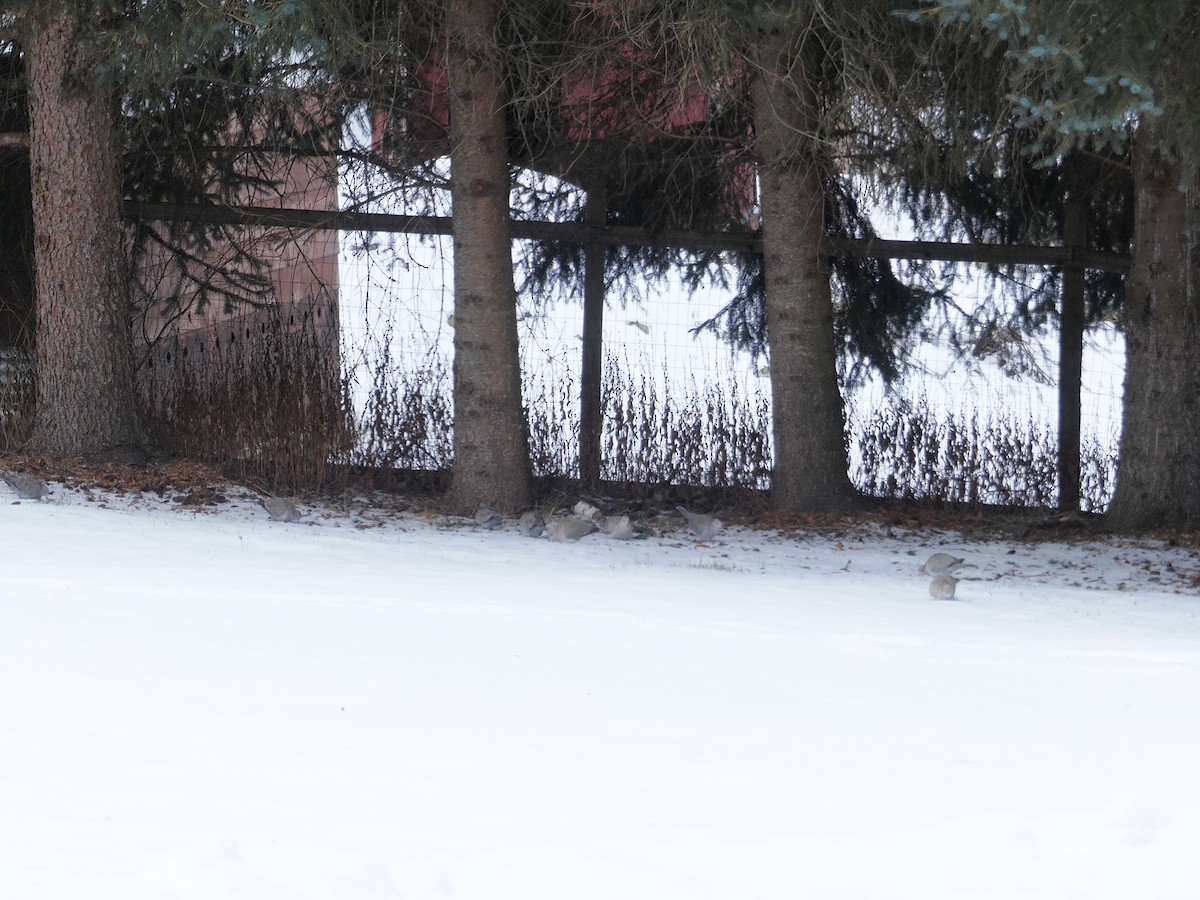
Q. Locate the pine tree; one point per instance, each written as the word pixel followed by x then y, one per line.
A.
pixel 1102 74
pixel 812 83
pixel 140 97
pixel 491 443
pixel 810 452
pixel 85 388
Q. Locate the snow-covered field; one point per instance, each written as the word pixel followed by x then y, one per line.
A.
pixel 377 704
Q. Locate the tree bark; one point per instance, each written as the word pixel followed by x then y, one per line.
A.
pixel 85 387
pixel 811 462
pixel 491 435
pixel 1158 482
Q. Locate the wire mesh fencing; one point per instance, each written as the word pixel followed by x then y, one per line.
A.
pixel 971 420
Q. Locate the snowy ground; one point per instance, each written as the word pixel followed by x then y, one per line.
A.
pixel 367 705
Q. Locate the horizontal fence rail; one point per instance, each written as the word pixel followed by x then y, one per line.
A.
pixel 581 232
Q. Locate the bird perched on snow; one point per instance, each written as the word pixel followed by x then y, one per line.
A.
pixel 703 526
pixel 569 528
pixel 620 528
pixel 531 524
pixel 26 486
pixel 281 509
pixel 942 564
pixel 942 587
pixel 486 517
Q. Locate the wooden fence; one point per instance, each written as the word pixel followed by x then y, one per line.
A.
pixel 1073 258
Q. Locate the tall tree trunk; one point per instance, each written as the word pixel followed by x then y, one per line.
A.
pixel 809 417
pixel 491 436
pixel 85 393
pixel 1158 481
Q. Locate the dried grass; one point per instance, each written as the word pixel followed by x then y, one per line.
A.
pixel 912 454
pixel 261 398
pixel 271 406
pixel 17 399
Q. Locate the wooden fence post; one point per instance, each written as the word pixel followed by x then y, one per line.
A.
pixel 591 418
pixel 1070 355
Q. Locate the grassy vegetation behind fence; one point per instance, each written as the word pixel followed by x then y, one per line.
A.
pixel 909 452
pixel 279 410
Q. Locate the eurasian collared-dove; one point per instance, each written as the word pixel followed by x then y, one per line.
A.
pixel 942 587
pixel 531 524
pixel 569 528
pixel 27 487
pixel 703 526
pixel 486 517
pixel 620 528
pixel 281 509
pixel 942 564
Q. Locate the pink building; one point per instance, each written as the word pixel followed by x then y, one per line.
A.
pixel 296 275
